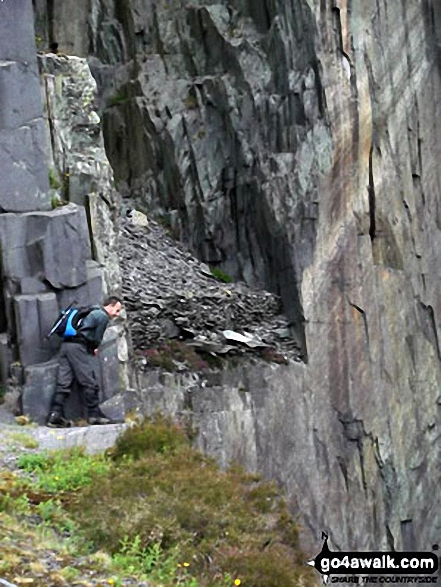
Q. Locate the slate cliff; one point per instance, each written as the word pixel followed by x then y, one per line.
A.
pixel 295 143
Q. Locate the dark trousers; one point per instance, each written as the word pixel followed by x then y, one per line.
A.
pixel 80 365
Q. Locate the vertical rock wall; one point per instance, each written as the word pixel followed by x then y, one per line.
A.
pixel 295 143
pixel 23 174
pixel 46 257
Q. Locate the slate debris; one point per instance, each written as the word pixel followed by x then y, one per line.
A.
pixel 169 294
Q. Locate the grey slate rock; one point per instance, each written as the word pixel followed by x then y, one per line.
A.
pixel 51 246
pixel 35 315
pixel 19 89
pixel 32 285
pixel 5 358
pixel 94 439
pixel 17 23
pixel 114 407
pixel 24 183
pixel 39 390
pixel 109 365
pixel 168 293
pixel 7 583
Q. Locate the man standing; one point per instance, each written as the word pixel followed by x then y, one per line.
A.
pixel 78 362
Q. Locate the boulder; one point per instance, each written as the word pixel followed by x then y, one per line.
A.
pixel 51 247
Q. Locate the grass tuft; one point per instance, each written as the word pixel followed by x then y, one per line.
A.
pixel 221 275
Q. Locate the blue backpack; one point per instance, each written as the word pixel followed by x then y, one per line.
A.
pixel 69 320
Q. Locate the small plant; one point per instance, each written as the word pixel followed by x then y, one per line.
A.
pixel 132 557
pixel 119 98
pixel 10 503
pixel 23 439
pixel 57 202
pixel 154 435
pixel 54 181
pixel 221 275
pixel 61 471
pixel 191 101
pixel 152 510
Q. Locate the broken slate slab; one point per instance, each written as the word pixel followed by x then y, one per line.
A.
pixel 246 339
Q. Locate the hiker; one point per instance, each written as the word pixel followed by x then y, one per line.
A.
pixel 79 362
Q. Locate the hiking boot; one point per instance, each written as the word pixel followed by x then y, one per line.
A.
pixel 56 420
pixel 100 419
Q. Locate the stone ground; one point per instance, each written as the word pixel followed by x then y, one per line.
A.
pixel 92 438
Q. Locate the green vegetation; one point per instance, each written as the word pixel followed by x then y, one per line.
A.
pixel 54 472
pixel 57 202
pixel 119 98
pixel 153 509
pixel 191 101
pixel 3 392
pixel 54 181
pixel 22 439
pixel 221 275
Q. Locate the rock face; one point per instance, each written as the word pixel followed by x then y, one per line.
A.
pixel 295 143
pixel 23 173
pixel 78 168
pixel 47 260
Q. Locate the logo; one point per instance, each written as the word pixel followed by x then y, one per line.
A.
pixel 374 567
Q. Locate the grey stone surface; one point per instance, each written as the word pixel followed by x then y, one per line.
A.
pixel 93 439
pixel 21 103
pixel 39 390
pixel 32 285
pixel 68 25
pixel 34 316
pixel 95 285
pixel 109 365
pixel 78 161
pixel 17 22
pixel 49 246
pixel 115 407
pixel 24 181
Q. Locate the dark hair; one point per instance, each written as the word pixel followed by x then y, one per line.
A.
pixel 112 301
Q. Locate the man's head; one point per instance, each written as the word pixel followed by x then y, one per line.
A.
pixel 113 306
